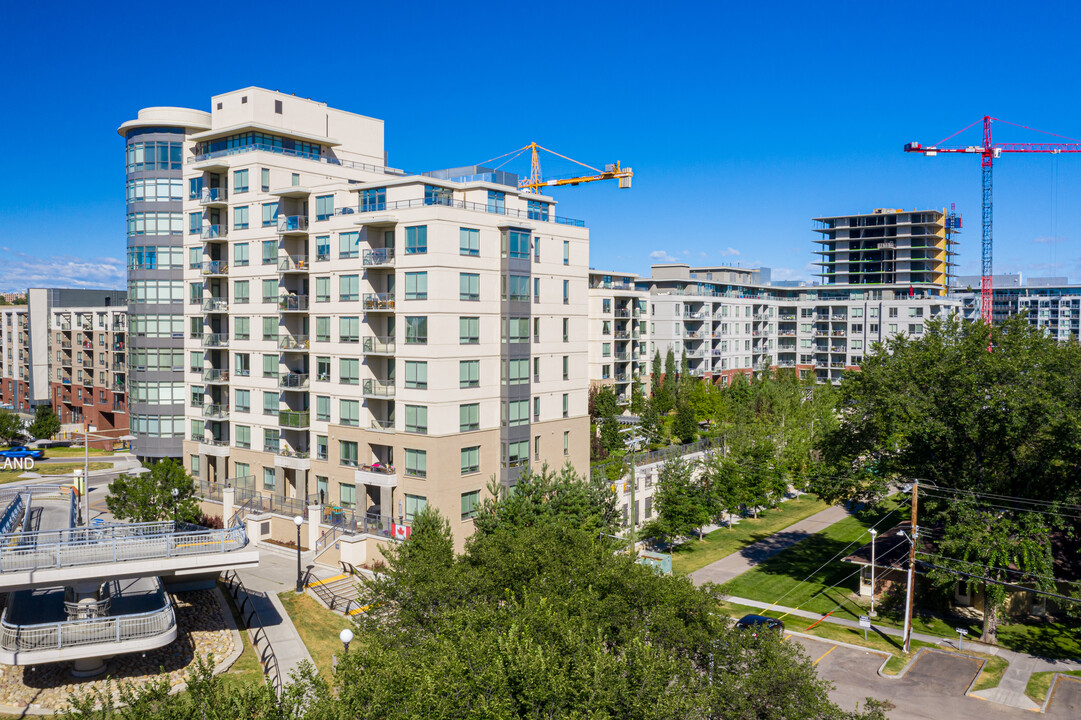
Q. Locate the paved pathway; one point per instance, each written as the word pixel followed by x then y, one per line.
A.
pixel 740 562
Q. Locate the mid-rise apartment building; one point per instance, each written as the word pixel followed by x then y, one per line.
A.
pixel 68 348
pixel 889 247
pixel 618 333
pixel 1051 303
pixel 369 338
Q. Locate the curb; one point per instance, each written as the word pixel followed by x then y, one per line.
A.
pixel 1054 684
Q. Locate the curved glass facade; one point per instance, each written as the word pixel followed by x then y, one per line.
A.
pixel 154 183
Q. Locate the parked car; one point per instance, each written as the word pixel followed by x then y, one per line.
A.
pixel 759 623
pixel 21 451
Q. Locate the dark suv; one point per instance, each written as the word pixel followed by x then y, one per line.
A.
pixel 755 623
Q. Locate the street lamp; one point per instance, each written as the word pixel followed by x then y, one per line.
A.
pixel 86 467
pixel 176 494
pixel 346 636
pixel 874 534
pixel 298 521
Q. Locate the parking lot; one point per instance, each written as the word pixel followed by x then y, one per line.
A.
pixel 934 688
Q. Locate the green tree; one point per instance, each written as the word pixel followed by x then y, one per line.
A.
pixel 656 375
pixel 10 427
pixel 681 502
pixel 685 427
pixel 611 438
pixel 603 403
pixel 45 425
pixel 651 423
pixel 149 497
pixel 638 399
pixel 668 384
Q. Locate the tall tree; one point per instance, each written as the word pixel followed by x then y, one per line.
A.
pixel 45 425
pixel 149 497
pixel 682 504
pixel 10 427
pixel 685 427
pixel 656 376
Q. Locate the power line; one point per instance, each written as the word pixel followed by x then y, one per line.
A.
pixel 1004 584
pixel 995 496
pixel 983 503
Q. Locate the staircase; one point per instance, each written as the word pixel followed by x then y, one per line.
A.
pixel 337 592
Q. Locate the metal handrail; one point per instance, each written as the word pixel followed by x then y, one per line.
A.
pixel 267 658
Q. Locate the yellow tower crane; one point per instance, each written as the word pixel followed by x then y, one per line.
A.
pixel 534 182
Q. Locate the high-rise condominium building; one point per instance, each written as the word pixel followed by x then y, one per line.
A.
pixel 618 333
pixel 1051 303
pixel 356 335
pixel 155 145
pixel 889 247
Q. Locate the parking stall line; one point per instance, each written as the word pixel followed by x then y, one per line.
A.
pixel 832 648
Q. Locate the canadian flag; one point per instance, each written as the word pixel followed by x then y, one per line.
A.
pixel 400 532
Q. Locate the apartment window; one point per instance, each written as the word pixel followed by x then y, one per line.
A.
pixel 470 501
pixel 349 288
pixel 496 202
pixel 516 244
pixel 915 328
pixel 296 177
pixel 322 451
pixel 270 290
pixel 195 223
pixel 536 409
pixel 566 367
pixel 195 188
pixel 240 254
pixel 469 241
pixel 322 408
pixel 322 329
pixel 416 463
pixel 416 330
pixel 515 413
pixel 516 372
pixel 270 328
pixel 241 293
pixel 566 292
pixel 469 417
pixel 893 312
pixel 270 479
pixel 241 328
pixel 468 286
pixel 469 373
pixel 270 403
pixel 566 405
pixel 566 252
pixel 373 200
pixel 606 349
pixel 347 453
pixel 322 247
pixel 416 374
pixel 322 369
pixel 416 286
pixel 516 330
pixel 468 330
pixel 242 364
pixel 536 329
pixel 264 179
pixel 349 329
pixel 195 291
pixel 536 369
pixel 414 504
pixel 470 464
pixel 516 453
pixel 536 447
pixel 893 328
pixel 348 245
pixel 324 207
pixel 348 494
pixel 349 369
pixel 270 214
pixel 567 442
pixel 516 287
pixel 271 439
pixel 873 328
pixel 416 419
pixel 322 289
pixel 416 240
pixel 270 365
pixel 240 181
pixel 242 470
pixel 350 412
pixel 270 252
pixel 240 217
pixel 243 401
pixel 243 436
pixel 566 330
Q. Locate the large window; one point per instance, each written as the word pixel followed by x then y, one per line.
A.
pixel 416 463
pixel 158 223
pixel 416 240
pixel 349 329
pixel 516 330
pixel 470 500
pixel 350 371
pixel 516 412
pixel 516 244
pixel 322 329
pixel 416 330
pixel 155 190
pixel 469 417
pixel 414 504
pixel 270 214
pixel 468 286
pixel 347 453
pixel 416 286
pixel 270 403
pixel 322 289
pixel 350 412
pixel 416 374
pixel 373 200
pixel 468 330
pixel 469 373
pixel 243 401
pixel 270 479
pixel 322 247
pixel 516 288
pixel 243 436
pixel 322 408
pixel 349 288
pixel 469 241
pixel 497 202
pixel 240 254
pixel 516 453
pixel 516 372
pixel 349 244
pixel 348 495
pixel 324 207
pixel 537 210
pixel 240 181
pixel 240 217
pixel 416 419
pixel 154 156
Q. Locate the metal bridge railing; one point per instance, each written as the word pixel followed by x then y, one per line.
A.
pixel 259 638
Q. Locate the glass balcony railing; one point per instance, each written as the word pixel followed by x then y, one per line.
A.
pixel 292 223
pixel 293 342
pixel 214 375
pixel 379 302
pixel 379 257
pixel 210 196
pixel 215 340
pixel 293 303
pixel 293 381
pixel 294 419
pixel 376 345
pixel 215 267
pixel 378 389
pixel 288 263
pixel 213 232
pixel 215 305
pixel 216 412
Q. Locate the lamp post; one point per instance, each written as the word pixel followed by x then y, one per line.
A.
pixel 176 494
pixel 874 534
pixel 298 521
pixel 85 490
pixel 346 636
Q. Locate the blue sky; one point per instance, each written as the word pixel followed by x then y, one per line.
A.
pixel 741 123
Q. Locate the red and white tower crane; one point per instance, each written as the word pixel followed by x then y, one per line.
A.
pixel 988 152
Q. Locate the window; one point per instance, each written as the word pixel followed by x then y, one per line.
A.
pixel 416 240
pixel 416 330
pixel 270 214
pixel 242 364
pixel 536 409
pixel 243 436
pixel 536 329
pixel 373 200
pixel 538 210
pixel 240 254
pixel 470 501
pixel 322 289
pixel 349 369
pixel 322 247
pixel 516 330
pixel 270 403
pixel 469 373
pixel 416 374
pixel 536 289
pixel 468 286
pixel 566 404
pixel 536 369
pixel 470 464
pixel 321 453
pixel 468 330
pixel 416 419
pixel 349 288
pixel 349 245
pixel 469 417
pixel 416 286
pixel 322 408
pixel 416 463
pixel 270 252
pixel 270 290
pixel 414 504
pixel 566 252
pixel 349 329
pixel 496 202
pixel 242 470
pixel 516 453
pixel 270 330
pixel 195 224
pixel 567 442
pixel 324 207
pixel 566 292
pixel 322 369
pixel 322 329
pixel 240 181
pixel 566 330
pixel 242 328
pixel 434 195
pixel 243 401
pixel 469 241
pixel 264 179
pixel 516 288
pixel 566 367
pixel 348 493
pixel 350 412
pixel 270 364
pixel 240 217
pixel 270 479
pixel 347 453
pixel 516 372
pixel 516 244
pixel 606 350
pixel 296 179
pixel 271 440
pixel 893 312
pixel 515 413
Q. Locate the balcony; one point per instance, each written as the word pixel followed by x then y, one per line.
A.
pixel 375 345
pixel 294 419
pixel 215 340
pixel 214 267
pixel 378 389
pixel 381 425
pixel 215 376
pixel 213 196
pixel 214 232
pixel 380 257
pixel 66 344
pixel 293 303
pixel 118 387
pixel 379 302
pixel 622 313
pixel 293 342
pixel 287 457
pixel 293 381
pixel 292 224
pixel 376 474
pixel 214 447
pixel 216 412
pixel 290 264
pixel 213 305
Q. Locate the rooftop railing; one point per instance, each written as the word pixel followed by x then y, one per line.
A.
pixel 461 205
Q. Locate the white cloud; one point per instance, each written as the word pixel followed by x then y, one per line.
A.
pixel 22 271
pixel 730 252
pixel 662 256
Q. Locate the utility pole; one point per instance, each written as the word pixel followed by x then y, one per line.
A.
pixel 634 508
pixel 911 566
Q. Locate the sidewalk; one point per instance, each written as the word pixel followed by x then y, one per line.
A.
pixel 740 562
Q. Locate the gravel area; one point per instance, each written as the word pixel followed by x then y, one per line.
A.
pixel 201 631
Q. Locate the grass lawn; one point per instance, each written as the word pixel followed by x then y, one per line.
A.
pixel 1055 641
pixel 695 554
pixel 318 628
pixel 246 669
pixel 7 476
pixel 1040 683
pixel 992 673
pixel 59 452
